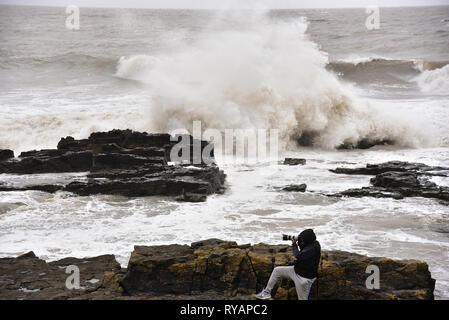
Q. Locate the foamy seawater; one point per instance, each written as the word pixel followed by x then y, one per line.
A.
pixel 299 71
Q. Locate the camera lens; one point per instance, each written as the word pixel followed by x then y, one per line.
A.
pixel 286 237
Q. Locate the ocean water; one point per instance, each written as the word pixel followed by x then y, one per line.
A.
pixel 314 72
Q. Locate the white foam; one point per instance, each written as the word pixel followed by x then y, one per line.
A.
pixel 356 59
pixel 434 81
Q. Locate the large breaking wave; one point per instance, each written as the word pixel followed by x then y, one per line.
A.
pixel 430 76
pixel 263 75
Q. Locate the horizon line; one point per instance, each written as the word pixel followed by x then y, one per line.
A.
pixel 217 8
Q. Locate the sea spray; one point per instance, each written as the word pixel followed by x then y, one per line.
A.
pixel 263 74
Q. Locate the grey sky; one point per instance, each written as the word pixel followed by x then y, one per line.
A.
pixel 225 4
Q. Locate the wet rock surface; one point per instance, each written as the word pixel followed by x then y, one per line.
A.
pixel 364 144
pixel 397 179
pixel 294 161
pixel 48 161
pixel 123 162
pixel 396 166
pixel 209 269
pixel 295 187
pixel 50 188
pixel 28 277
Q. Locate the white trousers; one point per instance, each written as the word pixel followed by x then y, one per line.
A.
pixel 302 285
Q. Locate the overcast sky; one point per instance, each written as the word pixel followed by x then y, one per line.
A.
pixel 226 4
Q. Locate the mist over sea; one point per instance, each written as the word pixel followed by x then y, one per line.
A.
pixel 319 73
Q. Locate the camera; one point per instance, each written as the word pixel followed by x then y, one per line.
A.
pixel 288 237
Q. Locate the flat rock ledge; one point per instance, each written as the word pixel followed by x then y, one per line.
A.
pixel 122 162
pixel 210 269
pixel 397 180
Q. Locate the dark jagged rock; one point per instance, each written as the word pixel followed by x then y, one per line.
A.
pixel 234 270
pixel 294 161
pixel 209 269
pixel 308 138
pixel 115 174
pixel 296 187
pixel 48 161
pixel 364 144
pixel 50 188
pixel 127 139
pixel 371 192
pixel 6 154
pixel 125 162
pixel 396 166
pixel 396 179
pixel 107 161
pixel 45 153
pixel 142 186
pixel 409 180
pixel 163 180
pixel 138 151
pixel 28 277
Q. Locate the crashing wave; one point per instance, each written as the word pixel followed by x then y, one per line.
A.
pixel 434 81
pixel 266 75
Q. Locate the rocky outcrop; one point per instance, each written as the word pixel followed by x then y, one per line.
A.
pixel 209 269
pixel 124 162
pixel 28 277
pixel 50 188
pixel 234 269
pixel 149 181
pixel 308 138
pixel 396 179
pixel 48 161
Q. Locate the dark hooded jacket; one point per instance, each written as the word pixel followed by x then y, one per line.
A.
pixel 308 257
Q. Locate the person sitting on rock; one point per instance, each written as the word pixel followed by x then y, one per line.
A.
pixel 305 268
